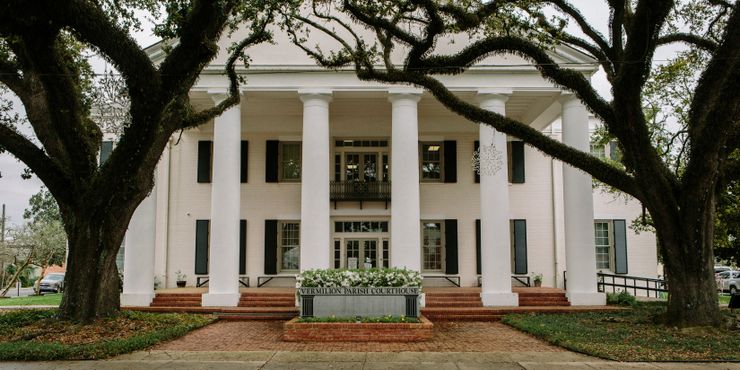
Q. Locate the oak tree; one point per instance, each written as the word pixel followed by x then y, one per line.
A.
pixel 370 36
pixel 43 48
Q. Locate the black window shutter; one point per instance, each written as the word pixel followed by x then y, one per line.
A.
pixel 620 246
pixel 242 247
pixel 271 235
pixel 517 162
pixel 476 145
pixel 271 161
pixel 451 247
pixel 520 246
pixel 205 148
pixel 450 160
pixel 477 247
pixel 201 247
pixel 244 161
pixel 106 147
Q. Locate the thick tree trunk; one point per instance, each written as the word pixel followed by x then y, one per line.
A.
pixel 689 263
pixel 92 281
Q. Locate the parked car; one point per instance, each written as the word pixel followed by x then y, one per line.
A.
pixel 52 283
pixel 718 269
pixel 729 281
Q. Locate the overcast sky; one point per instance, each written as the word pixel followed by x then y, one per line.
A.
pixel 15 192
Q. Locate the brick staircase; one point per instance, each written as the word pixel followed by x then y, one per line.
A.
pixel 263 306
pixel 457 305
pixel 464 304
pixel 255 299
pixel 543 299
pixel 176 300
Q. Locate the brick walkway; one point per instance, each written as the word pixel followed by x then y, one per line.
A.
pixel 448 337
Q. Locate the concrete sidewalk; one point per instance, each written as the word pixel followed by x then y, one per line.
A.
pixel 165 360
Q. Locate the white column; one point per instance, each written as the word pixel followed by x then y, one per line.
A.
pixel 315 163
pixel 223 259
pixel 578 207
pixel 405 212
pixel 138 255
pixel 494 209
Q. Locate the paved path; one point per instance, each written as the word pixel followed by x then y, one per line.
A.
pixel 172 360
pixel 448 337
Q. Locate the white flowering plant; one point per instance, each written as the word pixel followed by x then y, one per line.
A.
pixel 332 278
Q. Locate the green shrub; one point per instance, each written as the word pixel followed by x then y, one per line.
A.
pixel 623 298
pixel 331 278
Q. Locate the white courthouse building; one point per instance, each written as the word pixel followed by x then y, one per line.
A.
pixel 317 169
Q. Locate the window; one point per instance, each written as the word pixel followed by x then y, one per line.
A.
pixel 290 161
pixel 361 226
pixel 598 150
pixel 432 246
pixel 431 161
pixel 603 245
pixel 290 249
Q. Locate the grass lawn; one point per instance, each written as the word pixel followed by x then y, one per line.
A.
pixel 39 335
pixel 724 299
pixel 52 299
pixel 632 335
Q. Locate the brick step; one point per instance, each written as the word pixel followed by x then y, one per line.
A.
pixel 268 299
pixel 544 297
pixel 555 294
pixel 188 299
pixel 268 295
pixel 266 304
pixel 527 302
pixel 451 298
pixel 445 301
pixel 434 317
pixel 177 295
pixel 454 304
pixel 543 304
pixel 173 298
pixel 453 295
pixel 534 302
pixel 178 304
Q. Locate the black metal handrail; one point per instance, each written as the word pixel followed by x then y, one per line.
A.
pixel 360 191
pixel 633 283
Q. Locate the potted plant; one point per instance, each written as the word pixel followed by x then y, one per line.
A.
pixel 181 279
pixel 537 278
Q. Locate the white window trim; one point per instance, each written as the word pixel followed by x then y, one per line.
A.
pixel 443 252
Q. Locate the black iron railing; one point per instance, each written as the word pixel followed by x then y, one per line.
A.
pixel 360 191
pixel 631 284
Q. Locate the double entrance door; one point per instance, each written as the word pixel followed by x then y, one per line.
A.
pixel 358 252
pixel 354 253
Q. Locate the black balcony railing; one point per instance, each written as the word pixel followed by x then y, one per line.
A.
pixel 360 191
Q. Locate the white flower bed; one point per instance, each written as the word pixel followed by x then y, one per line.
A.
pixel 331 278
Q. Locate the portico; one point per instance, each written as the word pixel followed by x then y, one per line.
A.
pixel 265 224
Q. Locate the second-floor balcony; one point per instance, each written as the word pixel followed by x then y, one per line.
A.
pixel 360 191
